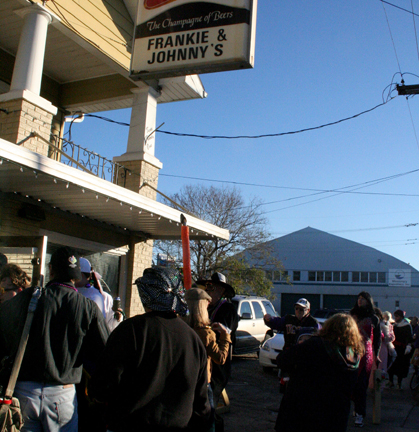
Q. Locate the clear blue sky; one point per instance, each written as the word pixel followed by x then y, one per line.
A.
pixel 316 62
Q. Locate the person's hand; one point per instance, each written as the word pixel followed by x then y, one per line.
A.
pixel 408 349
pixel 220 328
pixel 267 318
pixel 118 315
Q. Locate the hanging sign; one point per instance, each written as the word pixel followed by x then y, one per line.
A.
pixel 185 37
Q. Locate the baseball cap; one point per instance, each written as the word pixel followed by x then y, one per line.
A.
pixel 85 266
pixel 65 263
pixel 303 303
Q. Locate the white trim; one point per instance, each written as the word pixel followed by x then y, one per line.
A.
pixel 81 181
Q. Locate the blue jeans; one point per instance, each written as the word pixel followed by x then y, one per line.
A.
pixel 47 408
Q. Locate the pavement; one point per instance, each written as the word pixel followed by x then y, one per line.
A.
pixel 254 400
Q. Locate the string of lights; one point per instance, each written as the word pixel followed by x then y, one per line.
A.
pixel 95 195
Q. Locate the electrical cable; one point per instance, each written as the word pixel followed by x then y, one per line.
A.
pixel 250 136
pixel 370 182
pixel 416 33
pixel 391 35
pixel 398 7
pixel 63 17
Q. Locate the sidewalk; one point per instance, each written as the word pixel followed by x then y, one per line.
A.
pixel 254 401
pixel 399 411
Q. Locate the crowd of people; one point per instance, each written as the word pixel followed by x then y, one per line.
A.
pixel 85 367
pixel 337 362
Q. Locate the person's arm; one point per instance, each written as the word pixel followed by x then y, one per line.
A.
pixel 274 323
pixel 218 351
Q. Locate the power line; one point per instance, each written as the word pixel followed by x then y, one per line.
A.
pixel 250 136
pixel 398 7
pixel 274 134
pixel 370 182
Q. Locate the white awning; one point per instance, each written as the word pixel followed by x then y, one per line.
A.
pixel 32 175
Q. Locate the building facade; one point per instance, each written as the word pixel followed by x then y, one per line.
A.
pixel 330 272
pixel 70 58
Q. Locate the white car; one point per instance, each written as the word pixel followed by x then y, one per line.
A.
pixel 270 350
pixel 252 330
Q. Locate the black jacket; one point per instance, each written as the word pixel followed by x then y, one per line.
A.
pixel 153 375
pixel 67 329
pixel 224 313
pixel 280 324
pixel 318 395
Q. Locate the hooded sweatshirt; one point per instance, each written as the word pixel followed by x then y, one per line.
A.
pixel 318 395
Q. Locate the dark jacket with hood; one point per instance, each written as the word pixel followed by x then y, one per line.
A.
pixel 318 395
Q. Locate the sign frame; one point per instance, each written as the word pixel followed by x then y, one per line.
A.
pixel 186 37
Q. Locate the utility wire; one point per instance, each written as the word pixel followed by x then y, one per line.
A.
pixel 370 182
pixel 414 26
pixel 398 7
pixel 391 35
pixel 250 136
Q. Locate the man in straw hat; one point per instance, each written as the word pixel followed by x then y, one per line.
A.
pixel 153 373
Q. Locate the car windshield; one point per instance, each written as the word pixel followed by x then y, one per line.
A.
pixel 269 308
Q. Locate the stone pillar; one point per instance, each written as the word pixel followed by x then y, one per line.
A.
pixel 142 166
pixel 23 109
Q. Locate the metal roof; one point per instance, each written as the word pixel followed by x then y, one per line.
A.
pixel 60 186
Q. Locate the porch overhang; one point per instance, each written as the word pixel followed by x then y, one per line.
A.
pixel 55 184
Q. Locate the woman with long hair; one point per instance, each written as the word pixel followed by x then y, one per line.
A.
pixel 369 327
pixel 323 372
pixel 198 318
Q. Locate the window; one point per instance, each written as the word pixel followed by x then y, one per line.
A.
pixel 329 276
pixel 364 277
pixel 269 309
pixel 258 309
pixel 296 275
pixel 373 277
pixel 355 276
pixel 277 275
pixel 245 308
pixel 268 275
pixel 381 277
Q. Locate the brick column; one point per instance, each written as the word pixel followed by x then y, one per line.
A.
pixel 19 119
